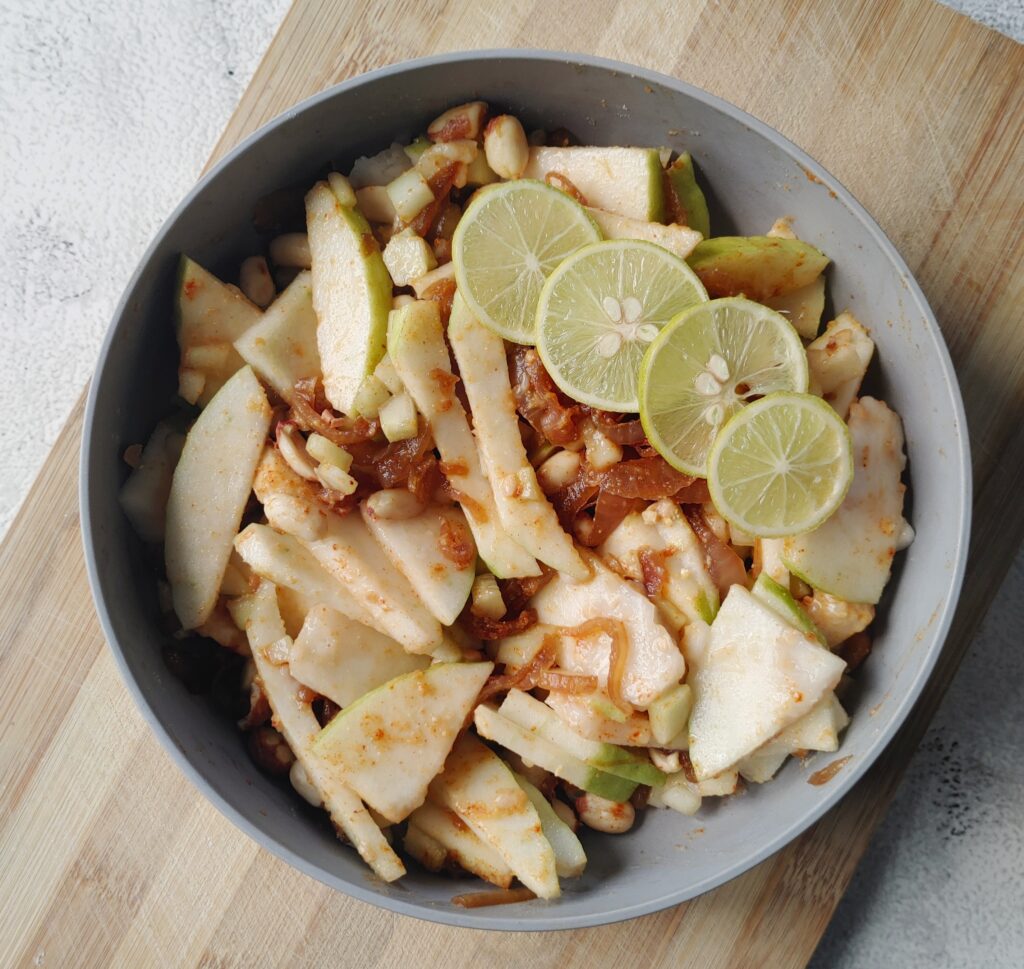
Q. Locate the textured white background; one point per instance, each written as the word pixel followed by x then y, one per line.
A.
pixel 107 113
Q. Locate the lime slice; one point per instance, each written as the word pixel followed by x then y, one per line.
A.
pixel 705 365
pixel 600 310
pixel 781 466
pixel 507 243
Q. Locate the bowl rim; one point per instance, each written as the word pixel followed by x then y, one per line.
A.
pixel 546 919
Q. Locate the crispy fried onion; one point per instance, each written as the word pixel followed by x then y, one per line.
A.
pixel 725 566
pixel 647 478
pixel 652 569
pixel 481 627
pixel 310 416
pixel 618 655
pixel 521 677
pixel 541 404
pixel 494 896
pixel 456 544
pixel 516 593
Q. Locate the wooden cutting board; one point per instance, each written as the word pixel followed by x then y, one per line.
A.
pixel 109 857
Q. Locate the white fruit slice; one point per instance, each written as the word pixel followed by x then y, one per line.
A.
pixel 583 715
pixel 416 347
pixel 838 360
pixel 627 181
pixel 688 592
pixel 428 851
pixel 653 662
pixel 756 676
pixel 211 316
pixel 211 485
pixel 491 725
pixel 850 555
pixel 677 239
pixel 818 730
pixel 459 843
pixel 533 715
pixel 285 561
pixel 802 307
pixel 416 546
pixel 144 494
pixel 389 745
pixel 258 615
pixel 570 859
pixel 350 553
pixel 281 347
pixel 351 294
pixel 837 619
pixel 523 508
pixel 343 659
pixel 479 787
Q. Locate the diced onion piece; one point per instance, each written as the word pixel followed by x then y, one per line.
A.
pixel 385 372
pixel 410 194
pixel 486 597
pixel 427 282
pixel 336 480
pixel 327 452
pixel 371 396
pixel 398 418
pixel 342 189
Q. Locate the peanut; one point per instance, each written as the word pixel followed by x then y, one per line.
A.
pixel 255 281
pixel 599 813
pixel 506 147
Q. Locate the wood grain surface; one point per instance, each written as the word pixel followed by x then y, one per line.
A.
pixel 109 857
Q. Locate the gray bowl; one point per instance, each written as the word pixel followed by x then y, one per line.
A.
pixel 755 176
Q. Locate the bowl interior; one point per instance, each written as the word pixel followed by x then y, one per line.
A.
pixel 753 177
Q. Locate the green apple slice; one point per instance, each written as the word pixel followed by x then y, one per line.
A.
pixel 778 598
pixel 351 294
pixel 281 347
pixel 522 506
pixel 756 675
pixel 678 239
pixel 390 744
pixel 850 555
pixel 585 713
pixel 414 546
pixel 627 181
pixel 653 662
pixel 670 713
pixel 689 200
pixel 757 267
pixel 817 730
pixel 417 349
pixel 535 716
pixel 211 315
pixel 459 844
pixel 211 484
pixel 350 553
pixel 343 659
pixel 259 616
pixel 493 726
pixel 481 789
pixel 285 561
pixel 570 859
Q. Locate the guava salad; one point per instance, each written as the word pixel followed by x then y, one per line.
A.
pixel 510 499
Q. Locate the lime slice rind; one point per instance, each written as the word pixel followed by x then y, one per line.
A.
pixel 781 466
pixel 509 240
pixel 705 366
pixel 599 311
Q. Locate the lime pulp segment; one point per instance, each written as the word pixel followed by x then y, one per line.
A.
pixel 601 309
pixel 781 466
pixel 708 363
pixel 507 243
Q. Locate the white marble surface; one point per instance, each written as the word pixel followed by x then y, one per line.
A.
pixel 107 113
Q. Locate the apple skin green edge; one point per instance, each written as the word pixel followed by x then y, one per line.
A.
pixel 741 159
